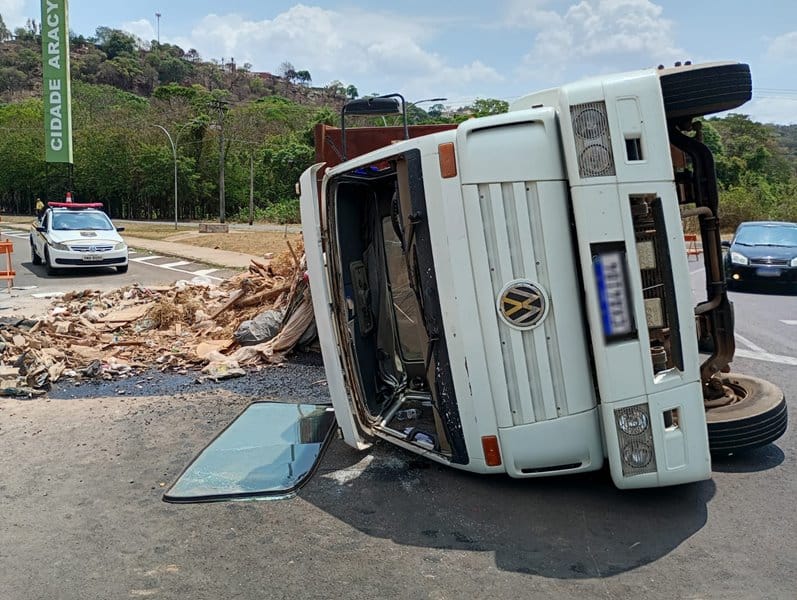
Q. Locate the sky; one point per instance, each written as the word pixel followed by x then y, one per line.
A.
pixel 463 50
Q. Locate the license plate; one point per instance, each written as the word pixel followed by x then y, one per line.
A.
pixel 762 272
pixel 615 303
pixel 92 257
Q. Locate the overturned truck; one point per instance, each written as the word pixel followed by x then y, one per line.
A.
pixel 512 295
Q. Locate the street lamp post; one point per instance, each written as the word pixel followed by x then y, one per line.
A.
pixel 174 153
pixel 410 104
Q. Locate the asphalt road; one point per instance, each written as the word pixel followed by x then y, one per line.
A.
pixel 81 480
pixel 145 269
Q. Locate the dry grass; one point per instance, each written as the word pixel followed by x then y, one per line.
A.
pixel 256 243
pixel 154 231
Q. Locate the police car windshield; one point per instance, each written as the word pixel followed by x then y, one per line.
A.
pixel 72 220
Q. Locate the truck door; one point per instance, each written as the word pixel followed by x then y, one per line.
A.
pixel 313 231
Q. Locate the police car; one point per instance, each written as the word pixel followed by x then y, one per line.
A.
pixel 72 235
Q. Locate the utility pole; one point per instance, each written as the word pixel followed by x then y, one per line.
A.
pixel 158 17
pixel 251 187
pixel 174 154
pixel 221 106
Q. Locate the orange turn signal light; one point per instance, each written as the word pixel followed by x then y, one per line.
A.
pixel 448 160
pixel 492 453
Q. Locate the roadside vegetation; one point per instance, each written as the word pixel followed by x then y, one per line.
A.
pixel 125 88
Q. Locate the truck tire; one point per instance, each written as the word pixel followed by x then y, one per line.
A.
pixel 757 418
pixel 122 269
pixel 696 92
pixel 34 258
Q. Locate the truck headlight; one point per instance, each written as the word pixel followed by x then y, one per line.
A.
pixel 120 246
pixel 635 439
pixel 57 246
pixel 633 420
pixel 739 259
pixel 637 454
pixel 793 262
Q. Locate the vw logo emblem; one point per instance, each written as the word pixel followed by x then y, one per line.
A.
pixel 92 248
pixel 522 304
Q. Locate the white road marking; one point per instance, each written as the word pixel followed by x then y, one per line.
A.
pixel 146 258
pixel 205 272
pixel 179 263
pixel 15 234
pixel 767 357
pixel 750 344
pixel 788 322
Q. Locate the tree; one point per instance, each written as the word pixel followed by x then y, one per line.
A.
pixel 351 92
pixel 303 77
pixel 287 71
pixel 115 42
pixel 483 107
pixel 5 34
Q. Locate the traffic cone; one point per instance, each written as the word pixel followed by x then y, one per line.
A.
pixel 69 196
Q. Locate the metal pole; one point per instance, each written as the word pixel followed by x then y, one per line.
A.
pixel 174 154
pixel 221 165
pixel 158 15
pixel 251 188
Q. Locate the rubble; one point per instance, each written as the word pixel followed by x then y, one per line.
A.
pixel 187 325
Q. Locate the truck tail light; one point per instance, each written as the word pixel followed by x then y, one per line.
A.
pixel 492 453
pixel 593 143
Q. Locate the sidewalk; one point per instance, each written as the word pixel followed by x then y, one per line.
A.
pixel 219 258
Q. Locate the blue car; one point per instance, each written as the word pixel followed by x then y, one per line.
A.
pixel 762 252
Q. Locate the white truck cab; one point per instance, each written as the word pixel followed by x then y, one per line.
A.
pixel 512 295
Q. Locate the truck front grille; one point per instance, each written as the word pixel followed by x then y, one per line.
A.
pixel 658 290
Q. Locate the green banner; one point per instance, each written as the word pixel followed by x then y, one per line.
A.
pixel 56 89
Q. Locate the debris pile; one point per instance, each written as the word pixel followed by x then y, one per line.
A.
pixel 253 318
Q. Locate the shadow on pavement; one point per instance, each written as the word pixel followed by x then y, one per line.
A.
pixel 564 528
pixel 752 461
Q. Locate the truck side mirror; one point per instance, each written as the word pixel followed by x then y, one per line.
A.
pixel 41 229
pixel 120 229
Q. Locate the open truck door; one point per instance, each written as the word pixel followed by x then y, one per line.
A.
pixel 312 228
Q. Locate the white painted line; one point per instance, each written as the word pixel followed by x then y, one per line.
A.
pixel 788 322
pixel 146 258
pixel 190 273
pixel 179 263
pixel 205 272
pixel 750 344
pixel 767 357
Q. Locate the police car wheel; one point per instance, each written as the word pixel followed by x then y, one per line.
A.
pixel 122 269
pixel 34 258
pixel 755 416
pixel 48 264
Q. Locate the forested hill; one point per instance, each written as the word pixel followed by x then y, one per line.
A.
pixel 113 57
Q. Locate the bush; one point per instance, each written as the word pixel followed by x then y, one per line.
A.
pixel 284 212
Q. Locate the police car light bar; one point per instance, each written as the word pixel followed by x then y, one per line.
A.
pixel 75 205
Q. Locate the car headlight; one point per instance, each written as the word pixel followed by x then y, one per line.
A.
pixel 739 259
pixel 120 246
pixel 793 262
pixel 57 246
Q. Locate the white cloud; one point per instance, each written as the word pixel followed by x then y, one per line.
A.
pixel 13 12
pixel 142 29
pixel 385 49
pixel 783 48
pixel 772 110
pixel 631 32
